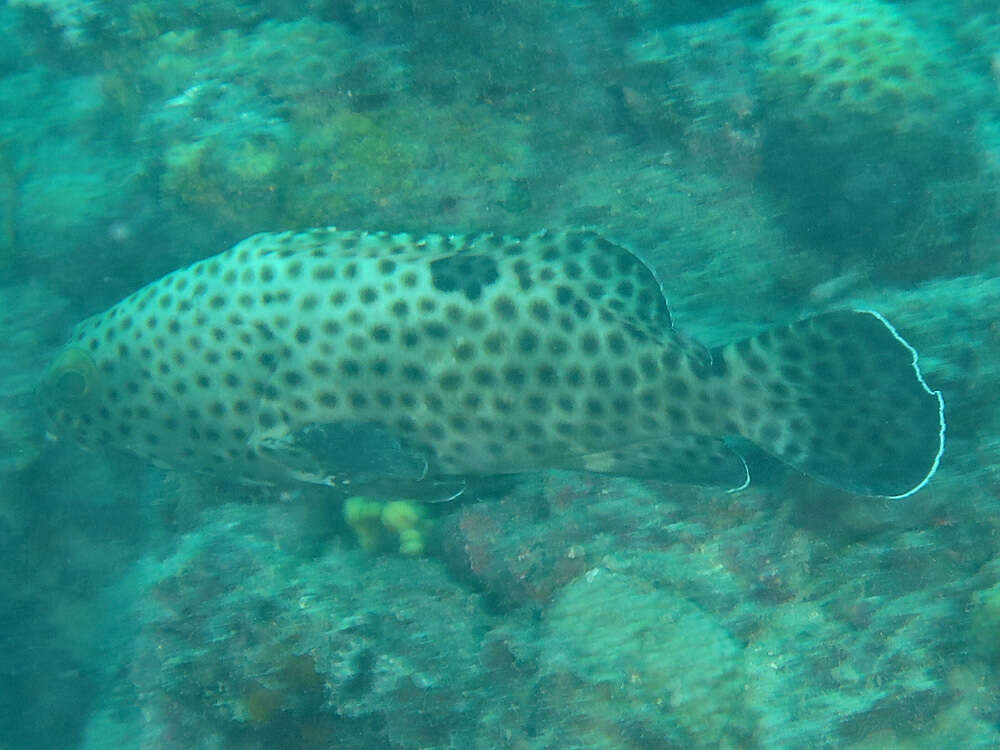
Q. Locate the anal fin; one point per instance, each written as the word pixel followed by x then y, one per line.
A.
pixel 679 459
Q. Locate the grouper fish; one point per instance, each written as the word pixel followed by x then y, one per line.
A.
pixel 408 364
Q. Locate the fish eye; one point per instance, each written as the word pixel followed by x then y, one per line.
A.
pixel 71 378
pixel 71 384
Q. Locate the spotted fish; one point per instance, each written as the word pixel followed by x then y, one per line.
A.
pixel 358 359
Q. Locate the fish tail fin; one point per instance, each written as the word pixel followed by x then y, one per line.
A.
pixel 839 396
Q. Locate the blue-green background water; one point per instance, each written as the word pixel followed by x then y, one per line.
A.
pixel 769 159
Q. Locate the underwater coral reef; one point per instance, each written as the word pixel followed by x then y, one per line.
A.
pixel 767 160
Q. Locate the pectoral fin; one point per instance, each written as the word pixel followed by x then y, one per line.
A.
pixel 346 453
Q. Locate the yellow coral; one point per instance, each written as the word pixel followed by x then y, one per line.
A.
pixel 404 518
pixel 381 525
pixel 364 518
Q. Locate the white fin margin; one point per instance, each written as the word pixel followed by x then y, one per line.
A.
pixel 931 391
pixel 746 479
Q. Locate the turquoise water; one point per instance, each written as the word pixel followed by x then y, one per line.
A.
pixel 769 161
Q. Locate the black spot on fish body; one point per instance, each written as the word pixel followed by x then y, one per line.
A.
pixel 678 417
pixel 476 321
pixel 436 330
pixel 599 266
pixel 755 363
pixel 547 375
pixel 527 341
pixel 627 377
pixel 495 342
pixel 650 400
pixel 450 381
pixel 484 377
pixel 540 310
pixel 602 377
pixel 463 272
pixel 505 308
pixel 514 376
pixel 616 343
pixel 350 368
pixel 413 373
pixel 464 351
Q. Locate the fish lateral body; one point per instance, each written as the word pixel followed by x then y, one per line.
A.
pixel 406 364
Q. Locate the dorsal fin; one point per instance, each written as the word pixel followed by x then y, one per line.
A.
pixel 589 267
pixel 600 272
pixel 330 242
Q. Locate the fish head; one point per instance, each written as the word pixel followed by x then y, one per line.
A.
pixel 70 388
